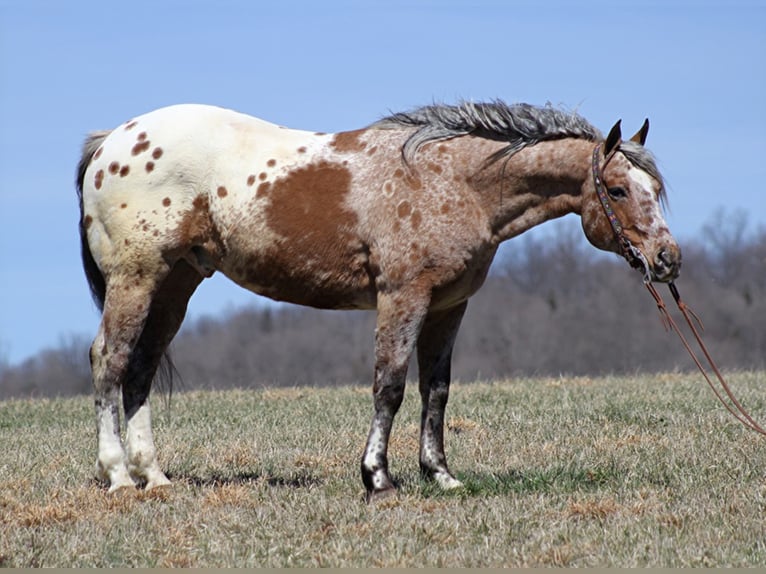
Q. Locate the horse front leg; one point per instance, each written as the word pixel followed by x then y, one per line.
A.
pixel 400 317
pixel 435 344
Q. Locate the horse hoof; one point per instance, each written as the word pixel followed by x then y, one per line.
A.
pixel 448 482
pixel 160 481
pixel 122 487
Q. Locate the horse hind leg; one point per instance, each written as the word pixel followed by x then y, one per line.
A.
pixel 435 345
pixel 127 302
pixel 166 314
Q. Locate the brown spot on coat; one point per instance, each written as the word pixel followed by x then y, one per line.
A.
pixel 98 180
pixel 166 202
pixel 124 170
pixel 98 153
pixel 404 209
pixel 221 191
pixel 263 175
pixel 416 219
pixel 149 166
pixel 197 230
pixel 414 182
pixel 349 141
pixel 435 167
pixel 311 199
pixel 250 180
pixel 123 206
pixel 157 153
pixel 114 167
pixel 263 189
pixel 271 163
pixel 131 125
pixel 318 260
pixel 302 149
pixel 140 147
pixel 87 221
pixel 142 136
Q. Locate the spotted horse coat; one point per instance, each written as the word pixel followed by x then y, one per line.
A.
pixel 403 217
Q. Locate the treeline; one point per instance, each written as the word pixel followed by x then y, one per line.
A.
pixel 551 305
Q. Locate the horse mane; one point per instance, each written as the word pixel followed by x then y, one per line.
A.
pixel 521 125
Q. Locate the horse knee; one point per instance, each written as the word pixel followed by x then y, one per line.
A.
pixel 389 393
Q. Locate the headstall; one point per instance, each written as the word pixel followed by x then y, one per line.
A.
pixel 637 260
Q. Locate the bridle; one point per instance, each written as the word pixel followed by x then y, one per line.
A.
pixel 629 251
pixel 637 260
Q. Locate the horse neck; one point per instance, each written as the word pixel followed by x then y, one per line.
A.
pixel 541 182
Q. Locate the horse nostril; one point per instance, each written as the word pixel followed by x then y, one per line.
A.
pixel 664 257
pixel 666 262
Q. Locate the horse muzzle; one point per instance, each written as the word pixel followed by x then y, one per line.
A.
pixel 666 263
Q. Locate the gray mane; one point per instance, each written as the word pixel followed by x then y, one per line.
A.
pixel 521 125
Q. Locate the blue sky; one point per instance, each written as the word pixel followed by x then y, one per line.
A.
pixel 696 69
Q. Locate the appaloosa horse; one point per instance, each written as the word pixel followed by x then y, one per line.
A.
pixel 403 216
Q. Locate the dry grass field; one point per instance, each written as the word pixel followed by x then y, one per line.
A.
pixel 614 471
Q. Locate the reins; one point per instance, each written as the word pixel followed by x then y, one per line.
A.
pixel 637 260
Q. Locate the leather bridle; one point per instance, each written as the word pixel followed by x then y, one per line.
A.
pixel 629 251
pixel 637 260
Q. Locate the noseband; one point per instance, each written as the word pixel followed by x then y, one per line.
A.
pixel 629 251
pixel 637 260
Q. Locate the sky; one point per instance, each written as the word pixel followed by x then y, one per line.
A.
pixel 696 69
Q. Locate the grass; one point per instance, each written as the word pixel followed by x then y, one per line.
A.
pixel 614 471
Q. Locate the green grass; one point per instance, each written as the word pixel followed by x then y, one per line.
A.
pixel 615 471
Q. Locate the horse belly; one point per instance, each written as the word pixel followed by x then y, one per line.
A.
pixel 335 278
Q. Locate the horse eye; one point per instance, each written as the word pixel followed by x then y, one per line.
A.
pixel 617 193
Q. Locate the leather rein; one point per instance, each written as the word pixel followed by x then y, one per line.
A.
pixel 637 260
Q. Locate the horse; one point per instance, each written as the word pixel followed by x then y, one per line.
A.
pixel 403 216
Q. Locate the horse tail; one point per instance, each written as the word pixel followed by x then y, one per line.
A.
pixel 92 272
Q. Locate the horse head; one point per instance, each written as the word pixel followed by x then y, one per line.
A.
pixel 627 218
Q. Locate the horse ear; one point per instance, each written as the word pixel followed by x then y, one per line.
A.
pixel 614 138
pixel 640 136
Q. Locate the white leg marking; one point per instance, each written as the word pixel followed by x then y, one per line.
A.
pixel 374 444
pixel 142 458
pixel 110 466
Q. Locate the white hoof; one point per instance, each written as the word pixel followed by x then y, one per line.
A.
pixel 120 484
pixel 116 479
pixel 447 482
pixel 158 480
